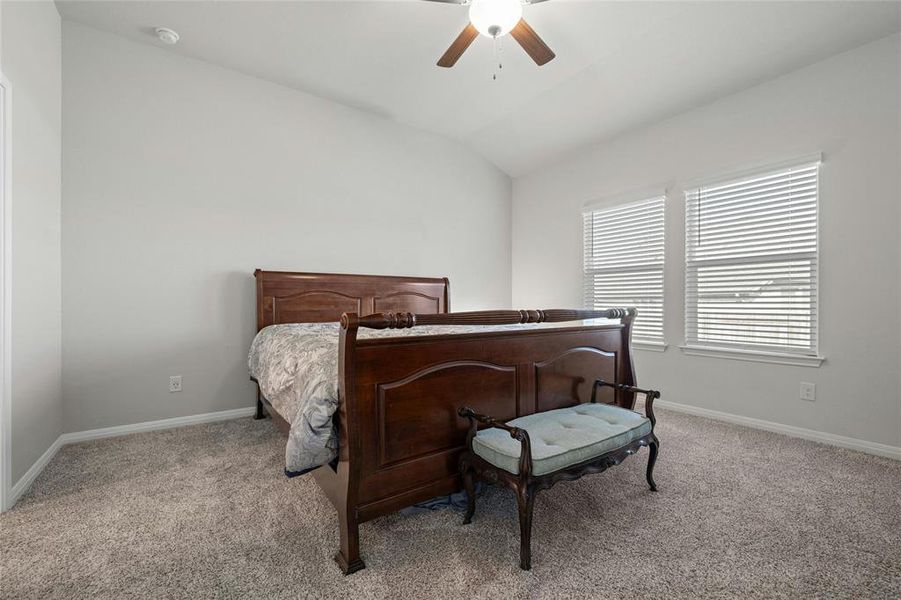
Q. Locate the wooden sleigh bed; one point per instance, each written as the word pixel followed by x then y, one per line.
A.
pixel 400 437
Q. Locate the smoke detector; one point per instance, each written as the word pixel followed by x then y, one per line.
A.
pixel 166 35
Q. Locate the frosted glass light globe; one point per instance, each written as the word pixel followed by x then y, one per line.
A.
pixel 494 18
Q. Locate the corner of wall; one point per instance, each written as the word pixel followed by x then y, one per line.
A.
pixel 32 62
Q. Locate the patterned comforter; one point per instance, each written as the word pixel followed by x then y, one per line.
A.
pixel 296 366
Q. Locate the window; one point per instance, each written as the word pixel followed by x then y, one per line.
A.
pixel 623 263
pixel 751 263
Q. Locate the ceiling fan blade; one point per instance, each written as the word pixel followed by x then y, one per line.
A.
pixel 531 43
pixel 450 57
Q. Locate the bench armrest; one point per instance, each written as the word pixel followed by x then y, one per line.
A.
pixel 525 457
pixel 650 396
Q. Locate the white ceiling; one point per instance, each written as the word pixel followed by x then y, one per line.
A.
pixel 619 65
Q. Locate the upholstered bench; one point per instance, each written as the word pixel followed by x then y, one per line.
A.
pixel 536 451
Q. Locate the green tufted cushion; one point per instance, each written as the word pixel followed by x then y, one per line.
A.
pixel 563 437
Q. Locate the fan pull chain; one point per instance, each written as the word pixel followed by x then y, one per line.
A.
pixel 498 51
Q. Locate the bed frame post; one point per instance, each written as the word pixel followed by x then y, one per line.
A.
pixel 260 413
pixel 446 295
pixel 348 475
pixel 624 398
pixel 348 555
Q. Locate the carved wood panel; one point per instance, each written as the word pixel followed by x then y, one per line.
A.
pixel 566 379
pixel 408 432
pixel 314 306
pixel 285 297
pixel 412 302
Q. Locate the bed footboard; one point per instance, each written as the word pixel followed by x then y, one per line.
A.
pixel 399 433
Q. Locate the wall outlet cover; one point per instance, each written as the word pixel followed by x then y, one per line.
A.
pixel 808 391
pixel 175 383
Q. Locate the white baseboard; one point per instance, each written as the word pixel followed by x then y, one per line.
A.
pixel 789 430
pixel 32 473
pixel 106 432
pixel 94 434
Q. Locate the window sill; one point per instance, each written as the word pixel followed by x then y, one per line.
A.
pixel 650 346
pixel 754 356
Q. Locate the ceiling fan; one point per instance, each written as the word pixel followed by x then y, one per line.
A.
pixel 493 19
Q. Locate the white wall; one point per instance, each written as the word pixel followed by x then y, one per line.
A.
pixel 181 177
pixel 31 63
pixel 848 108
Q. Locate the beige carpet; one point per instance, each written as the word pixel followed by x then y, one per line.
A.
pixel 205 511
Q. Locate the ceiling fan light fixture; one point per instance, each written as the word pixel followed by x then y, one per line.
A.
pixel 494 18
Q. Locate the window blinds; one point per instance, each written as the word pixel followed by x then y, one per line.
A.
pixel 623 263
pixel 751 262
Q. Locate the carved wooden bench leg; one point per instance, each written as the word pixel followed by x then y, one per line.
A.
pixel 469 486
pixel 525 498
pixel 653 448
pixel 348 556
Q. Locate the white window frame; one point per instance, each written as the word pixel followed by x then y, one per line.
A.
pixel 813 359
pixel 620 201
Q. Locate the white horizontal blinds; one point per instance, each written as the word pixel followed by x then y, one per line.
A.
pixel 751 262
pixel 623 262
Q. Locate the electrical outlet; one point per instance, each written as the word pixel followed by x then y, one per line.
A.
pixel 808 391
pixel 175 383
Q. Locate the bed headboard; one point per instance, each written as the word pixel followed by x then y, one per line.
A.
pixel 284 297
